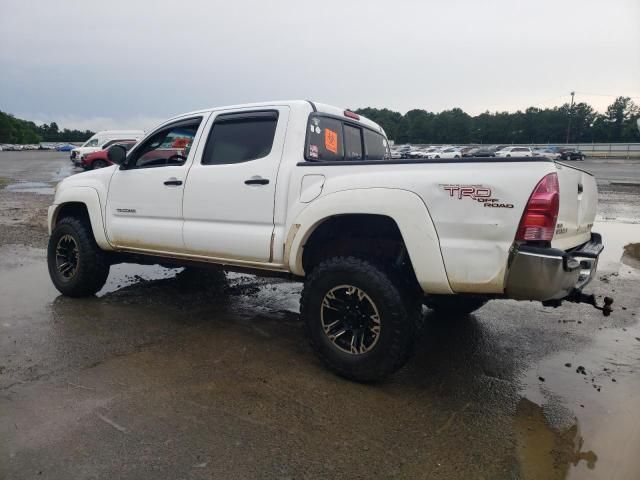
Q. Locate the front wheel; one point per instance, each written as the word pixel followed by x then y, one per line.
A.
pixel 77 266
pixel 357 320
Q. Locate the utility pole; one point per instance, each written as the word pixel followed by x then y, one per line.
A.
pixel 570 114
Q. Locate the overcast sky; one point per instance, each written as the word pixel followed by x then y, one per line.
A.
pixel 102 64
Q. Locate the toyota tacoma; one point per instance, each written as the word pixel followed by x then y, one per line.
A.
pixel 310 192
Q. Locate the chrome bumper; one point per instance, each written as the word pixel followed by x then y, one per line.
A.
pixel 537 273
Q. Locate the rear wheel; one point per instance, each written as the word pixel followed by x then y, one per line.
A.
pixel 454 305
pixel 357 320
pixel 77 266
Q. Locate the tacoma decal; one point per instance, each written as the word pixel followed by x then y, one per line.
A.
pixel 126 210
pixel 477 193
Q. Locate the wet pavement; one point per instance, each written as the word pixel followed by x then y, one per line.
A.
pixel 163 375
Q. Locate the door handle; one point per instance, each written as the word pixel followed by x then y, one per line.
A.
pixel 580 188
pixel 173 181
pixel 256 180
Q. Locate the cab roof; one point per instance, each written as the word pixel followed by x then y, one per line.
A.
pixel 294 104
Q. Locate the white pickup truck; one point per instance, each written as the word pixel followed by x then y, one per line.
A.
pixel 309 191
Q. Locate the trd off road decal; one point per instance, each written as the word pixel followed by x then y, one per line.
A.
pixel 477 193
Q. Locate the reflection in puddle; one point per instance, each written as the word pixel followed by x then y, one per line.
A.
pixel 545 452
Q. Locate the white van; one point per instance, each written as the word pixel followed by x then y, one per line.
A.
pixel 100 140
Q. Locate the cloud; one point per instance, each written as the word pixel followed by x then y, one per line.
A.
pixel 132 60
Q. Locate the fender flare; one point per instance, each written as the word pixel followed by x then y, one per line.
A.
pixel 90 198
pixel 404 207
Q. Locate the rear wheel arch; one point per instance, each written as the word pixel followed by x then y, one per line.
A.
pixel 368 236
pixel 392 210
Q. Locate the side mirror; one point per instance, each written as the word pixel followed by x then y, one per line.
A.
pixel 117 154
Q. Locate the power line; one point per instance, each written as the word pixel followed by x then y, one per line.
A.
pixel 606 95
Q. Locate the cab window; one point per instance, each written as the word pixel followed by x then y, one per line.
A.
pixel 331 139
pixel 352 143
pixel 168 146
pixel 375 145
pixel 324 139
pixel 240 137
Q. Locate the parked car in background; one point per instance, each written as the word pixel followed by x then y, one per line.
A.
pixel 450 152
pixel 78 161
pixel 546 152
pixel 100 139
pixel 514 152
pixel 572 154
pixel 485 152
pixel 99 159
pixel 65 147
pixel 468 150
pixel 417 153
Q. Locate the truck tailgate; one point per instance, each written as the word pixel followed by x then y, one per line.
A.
pixel 578 204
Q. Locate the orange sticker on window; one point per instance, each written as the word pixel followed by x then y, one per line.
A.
pixel 331 140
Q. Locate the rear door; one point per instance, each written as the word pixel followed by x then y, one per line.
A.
pixel 230 190
pixel 578 205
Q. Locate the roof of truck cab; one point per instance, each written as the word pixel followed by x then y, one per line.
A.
pixel 306 104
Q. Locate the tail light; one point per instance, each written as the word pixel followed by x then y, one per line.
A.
pixel 541 213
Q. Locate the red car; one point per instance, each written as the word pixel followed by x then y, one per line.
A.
pixel 99 159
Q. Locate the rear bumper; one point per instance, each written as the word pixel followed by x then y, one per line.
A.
pixel 550 274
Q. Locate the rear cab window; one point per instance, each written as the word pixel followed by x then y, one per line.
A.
pixel 240 137
pixel 331 139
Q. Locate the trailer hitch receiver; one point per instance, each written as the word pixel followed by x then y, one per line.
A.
pixel 577 296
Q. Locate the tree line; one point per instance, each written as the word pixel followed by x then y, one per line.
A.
pixel 534 125
pixel 17 131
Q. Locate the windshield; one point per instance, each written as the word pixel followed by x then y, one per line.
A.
pixel 92 142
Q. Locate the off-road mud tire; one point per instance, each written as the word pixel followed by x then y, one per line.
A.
pixel 399 319
pixel 93 265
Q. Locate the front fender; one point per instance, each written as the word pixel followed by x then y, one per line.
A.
pixel 89 197
pixel 408 211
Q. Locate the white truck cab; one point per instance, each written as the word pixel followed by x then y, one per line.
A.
pixel 102 140
pixel 310 191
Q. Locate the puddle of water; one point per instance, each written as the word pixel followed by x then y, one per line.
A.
pixel 595 409
pixel 63 172
pixel 616 236
pixel 546 452
pixel 31 187
pixel 631 255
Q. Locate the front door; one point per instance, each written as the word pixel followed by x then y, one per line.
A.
pixel 230 191
pixel 144 205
